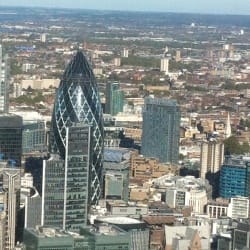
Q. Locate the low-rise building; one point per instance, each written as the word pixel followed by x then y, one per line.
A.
pixel 98 237
pixel 183 191
pixel 188 237
pixel 238 208
pixel 241 236
pixel 116 174
pixel 217 208
pixel 40 83
pixel 137 230
pixel 120 208
pixel 143 168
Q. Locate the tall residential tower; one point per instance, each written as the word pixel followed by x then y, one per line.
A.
pixel 161 126
pixel 212 157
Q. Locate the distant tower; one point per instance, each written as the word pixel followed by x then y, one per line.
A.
pixel 165 50
pixel 161 128
pixel 210 53
pixel 164 65
pixel 17 90
pixel 4 82
pixel 85 45
pixel 124 52
pixel 117 61
pixel 11 188
pixel 231 53
pixel 178 56
pixel 43 38
pixel 228 131
pixel 114 98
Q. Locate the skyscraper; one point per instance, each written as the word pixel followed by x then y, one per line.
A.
pixel 233 177
pixel 160 134
pixel 248 180
pixel 4 82
pixel 34 137
pixel 212 157
pixel 77 173
pixel 33 209
pixel 114 98
pixel 66 183
pixel 11 188
pixel 78 100
pixel 11 138
pixel 53 192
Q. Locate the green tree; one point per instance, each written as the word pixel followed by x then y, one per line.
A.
pixel 232 146
pixel 141 61
pixel 15 69
pixel 245 148
pixel 39 98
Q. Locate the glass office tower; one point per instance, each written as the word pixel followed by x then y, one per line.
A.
pixel 78 100
pixel 11 138
pixel 34 137
pixel 233 177
pixel 66 183
pixel 161 126
pixel 114 98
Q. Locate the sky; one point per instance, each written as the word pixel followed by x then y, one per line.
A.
pixel 193 6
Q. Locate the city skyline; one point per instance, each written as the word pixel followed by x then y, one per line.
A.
pixel 192 6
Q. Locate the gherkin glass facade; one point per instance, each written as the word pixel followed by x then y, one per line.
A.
pixel 77 100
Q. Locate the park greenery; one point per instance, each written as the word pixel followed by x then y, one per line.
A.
pixel 230 85
pixel 152 62
pixel 232 146
pixel 14 68
pixel 147 62
pixel 30 99
pixel 245 123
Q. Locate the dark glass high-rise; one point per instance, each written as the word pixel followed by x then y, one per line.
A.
pixel 77 100
pixel 160 130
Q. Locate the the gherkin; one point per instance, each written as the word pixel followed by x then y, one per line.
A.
pixel 77 100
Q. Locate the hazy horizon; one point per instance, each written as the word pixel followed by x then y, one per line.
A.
pixel 240 7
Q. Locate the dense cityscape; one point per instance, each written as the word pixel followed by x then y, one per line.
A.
pixel 124 130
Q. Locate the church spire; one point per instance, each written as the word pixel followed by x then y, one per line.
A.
pixel 228 131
